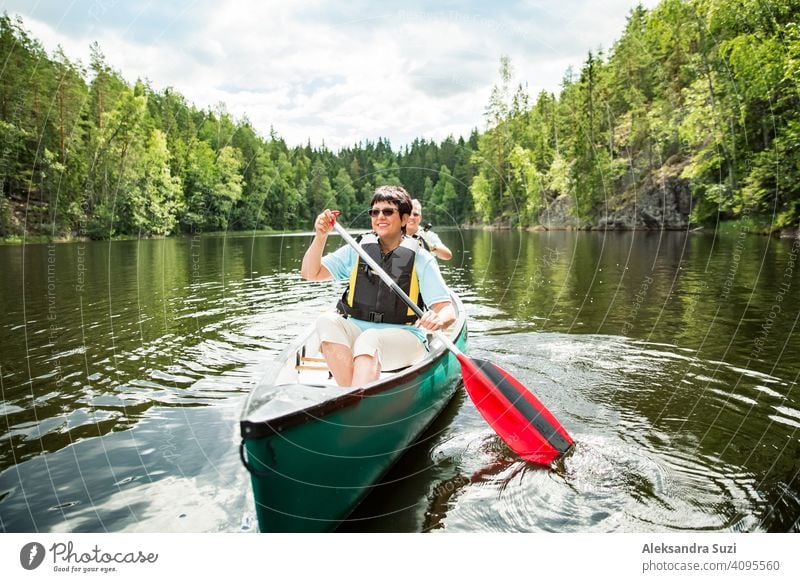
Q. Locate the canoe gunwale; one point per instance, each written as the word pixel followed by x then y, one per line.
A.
pixel 251 429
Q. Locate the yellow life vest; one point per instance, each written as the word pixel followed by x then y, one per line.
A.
pixel 370 299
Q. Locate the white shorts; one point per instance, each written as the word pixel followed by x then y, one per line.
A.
pixel 394 347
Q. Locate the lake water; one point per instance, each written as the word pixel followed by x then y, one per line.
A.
pixel 672 359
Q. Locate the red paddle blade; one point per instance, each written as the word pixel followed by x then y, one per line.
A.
pixel 516 415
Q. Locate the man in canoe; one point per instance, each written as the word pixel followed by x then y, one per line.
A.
pixel 427 238
pixel 374 330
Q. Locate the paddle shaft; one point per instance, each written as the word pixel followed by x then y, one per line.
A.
pixel 391 283
pixel 517 416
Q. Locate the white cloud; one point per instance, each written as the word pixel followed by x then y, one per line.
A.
pixel 342 75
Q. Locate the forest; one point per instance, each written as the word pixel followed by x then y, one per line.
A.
pixel 707 91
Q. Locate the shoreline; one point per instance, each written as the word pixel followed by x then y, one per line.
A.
pixel 722 227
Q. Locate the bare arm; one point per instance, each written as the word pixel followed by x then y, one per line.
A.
pixel 442 252
pixel 438 248
pixel 312 267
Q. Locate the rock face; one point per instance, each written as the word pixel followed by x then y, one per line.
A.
pixel 560 215
pixel 663 203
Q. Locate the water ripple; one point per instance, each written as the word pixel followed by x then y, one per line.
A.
pixel 120 410
pixel 641 462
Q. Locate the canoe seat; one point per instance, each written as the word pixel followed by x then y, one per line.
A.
pixel 316 364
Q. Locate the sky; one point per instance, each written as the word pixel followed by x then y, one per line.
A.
pixel 337 73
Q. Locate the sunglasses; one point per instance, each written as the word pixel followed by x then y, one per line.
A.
pixel 387 212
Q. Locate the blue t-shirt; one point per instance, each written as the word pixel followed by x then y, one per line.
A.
pixel 432 287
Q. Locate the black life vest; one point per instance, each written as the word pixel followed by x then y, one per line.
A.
pixel 370 299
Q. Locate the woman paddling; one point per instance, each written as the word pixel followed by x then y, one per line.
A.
pixel 374 330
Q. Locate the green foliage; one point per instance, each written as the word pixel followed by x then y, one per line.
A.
pixel 482 195
pixel 710 87
pixel 104 158
pixel 525 171
pixel 345 192
pixel 154 195
pixel 442 201
pixel 319 192
pixel 558 178
pixel 6 221
pixel 212 184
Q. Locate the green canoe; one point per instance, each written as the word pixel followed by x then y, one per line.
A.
pixel 314 449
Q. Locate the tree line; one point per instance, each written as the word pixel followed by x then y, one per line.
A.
pixel 84 153
pixel 705 89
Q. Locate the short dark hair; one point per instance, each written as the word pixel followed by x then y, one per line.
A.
pixel 396 195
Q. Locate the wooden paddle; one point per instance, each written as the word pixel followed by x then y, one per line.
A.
pixel 515 414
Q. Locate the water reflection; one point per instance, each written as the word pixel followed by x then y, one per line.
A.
pixel 670 357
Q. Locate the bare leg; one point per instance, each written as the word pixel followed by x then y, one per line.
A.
pixel 366 369
pixel 340 360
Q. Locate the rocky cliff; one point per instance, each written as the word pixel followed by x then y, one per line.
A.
pixel 661 202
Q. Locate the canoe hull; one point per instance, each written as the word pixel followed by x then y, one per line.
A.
pixel 308 475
